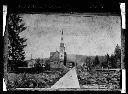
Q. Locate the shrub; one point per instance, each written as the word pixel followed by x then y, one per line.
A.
pixel 41 80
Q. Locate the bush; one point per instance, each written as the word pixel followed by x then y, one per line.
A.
pixel 40 80
pixel 108 78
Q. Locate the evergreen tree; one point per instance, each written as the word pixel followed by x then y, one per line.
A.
pixel 117 54
pixel 96 61
pixel 38 63
pixel 113 61
pixel 107 57
pixel 47 64
pixel 88 63
pixel 108 61
pixel 16 43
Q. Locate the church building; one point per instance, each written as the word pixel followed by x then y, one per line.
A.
pixel 58 58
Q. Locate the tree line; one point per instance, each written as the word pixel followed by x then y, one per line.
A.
pixel 110 61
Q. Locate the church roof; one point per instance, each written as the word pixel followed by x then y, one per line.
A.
pixel 54 55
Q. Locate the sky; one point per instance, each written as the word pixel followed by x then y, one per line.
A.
pixel 94 35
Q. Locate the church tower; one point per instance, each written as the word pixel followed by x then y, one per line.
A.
pixel 62 48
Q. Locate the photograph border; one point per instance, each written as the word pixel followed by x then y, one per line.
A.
pixel 28 10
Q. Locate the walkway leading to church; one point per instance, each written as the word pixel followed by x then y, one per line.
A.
pixel 69 80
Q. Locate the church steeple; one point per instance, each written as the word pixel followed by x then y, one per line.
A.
pixel 62 36
pixel 62 48
pixel 62 42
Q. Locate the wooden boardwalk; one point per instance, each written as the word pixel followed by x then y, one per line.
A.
pixel 69 80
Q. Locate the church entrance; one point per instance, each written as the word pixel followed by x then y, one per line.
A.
pixel 71 64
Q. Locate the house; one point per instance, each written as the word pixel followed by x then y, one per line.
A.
pixel 31 63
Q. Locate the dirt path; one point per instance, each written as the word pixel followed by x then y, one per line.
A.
pixel 69 80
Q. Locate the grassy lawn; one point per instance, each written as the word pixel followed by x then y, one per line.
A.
pixel 38 80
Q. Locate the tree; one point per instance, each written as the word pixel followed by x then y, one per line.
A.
pixel 38 60
pixel 96 61
pixel 16 43
pixel 113 61
pixel 88 63
pixel 47 64
pixel 117 54
pixel 108 61
pixel 38 67
pixel 104 64
pixel 38 63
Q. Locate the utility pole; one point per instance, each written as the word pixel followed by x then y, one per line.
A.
pixel 42 56
pixel 76 60
pixel 31 56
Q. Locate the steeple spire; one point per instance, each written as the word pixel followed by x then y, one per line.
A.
pixel 62 48
pixel 62 36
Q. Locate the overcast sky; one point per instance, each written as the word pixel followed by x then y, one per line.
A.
pixel 95 35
